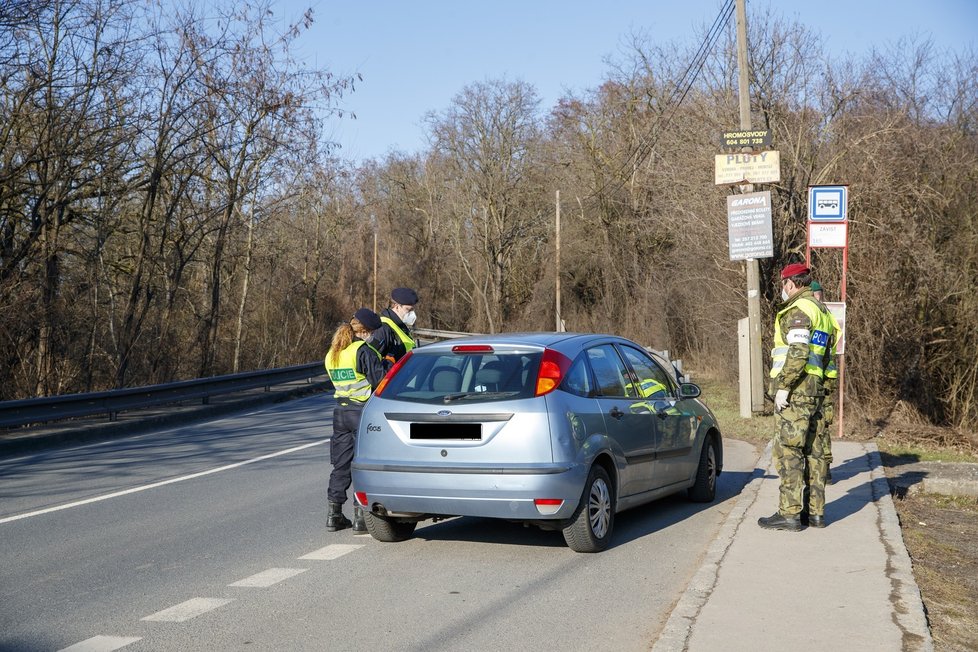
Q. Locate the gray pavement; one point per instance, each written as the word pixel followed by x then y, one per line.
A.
pixel 848 586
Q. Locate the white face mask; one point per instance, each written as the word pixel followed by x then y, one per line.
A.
pixel 784 294
pixel 410 318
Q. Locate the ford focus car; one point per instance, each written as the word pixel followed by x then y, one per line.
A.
pixel 557 430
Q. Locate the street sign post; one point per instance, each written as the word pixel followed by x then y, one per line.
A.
pixel 828 227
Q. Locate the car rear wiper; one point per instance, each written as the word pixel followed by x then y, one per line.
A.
pixel 461 396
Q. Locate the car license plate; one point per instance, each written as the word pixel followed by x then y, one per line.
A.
pixel 457 431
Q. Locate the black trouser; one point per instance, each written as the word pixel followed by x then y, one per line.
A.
pixel 346 420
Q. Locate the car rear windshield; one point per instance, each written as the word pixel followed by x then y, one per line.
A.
pixel 448 377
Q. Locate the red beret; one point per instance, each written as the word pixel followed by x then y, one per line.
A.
pixel 794 269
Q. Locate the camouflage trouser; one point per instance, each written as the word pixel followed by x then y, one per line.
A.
pixel 823 435
pixel 799 460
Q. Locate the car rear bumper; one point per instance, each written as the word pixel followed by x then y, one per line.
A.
pixel 504 491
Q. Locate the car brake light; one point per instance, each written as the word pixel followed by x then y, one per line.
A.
pixel 361 497
pixel 472 348
pixel 553 366
pixel 390 374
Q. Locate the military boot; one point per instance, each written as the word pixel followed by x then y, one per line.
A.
pixel 335 519
pixel 816 521
pixel 778 522
pixel 359 524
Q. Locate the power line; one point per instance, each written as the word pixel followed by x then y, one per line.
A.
pixel 680 90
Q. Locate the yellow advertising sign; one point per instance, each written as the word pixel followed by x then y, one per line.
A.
pixel 763 167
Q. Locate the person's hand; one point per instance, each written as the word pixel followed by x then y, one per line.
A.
pixel 781 400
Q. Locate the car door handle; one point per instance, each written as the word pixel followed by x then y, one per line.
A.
pixel 616 413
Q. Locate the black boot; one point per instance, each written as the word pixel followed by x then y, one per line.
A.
pixel 778 522
pixel 816 521
pixel 359 524
pixel 335 519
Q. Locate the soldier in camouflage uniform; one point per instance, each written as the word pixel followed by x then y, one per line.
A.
pixel 823 436
pixel 803 338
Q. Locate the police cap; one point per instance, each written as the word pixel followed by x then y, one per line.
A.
pixel 404 296
pixel 368 318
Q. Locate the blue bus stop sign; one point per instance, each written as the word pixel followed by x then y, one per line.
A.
pixel 828 203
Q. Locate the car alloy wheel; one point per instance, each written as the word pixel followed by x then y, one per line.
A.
pixel 599 508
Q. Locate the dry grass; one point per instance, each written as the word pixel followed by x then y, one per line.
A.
pixel 941 535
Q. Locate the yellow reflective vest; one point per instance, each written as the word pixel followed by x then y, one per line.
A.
pixel 348 382
pixel 401 335
pixel 821 337
pixel 832 369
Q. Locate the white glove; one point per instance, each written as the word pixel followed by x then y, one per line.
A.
pixel 781 400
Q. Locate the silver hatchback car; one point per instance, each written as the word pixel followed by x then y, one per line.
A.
pixel 559 430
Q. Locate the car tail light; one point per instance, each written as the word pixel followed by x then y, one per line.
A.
pixel 390 374
pixel 472 348
pixel 361 497
pixel 553 366
pixel 548 506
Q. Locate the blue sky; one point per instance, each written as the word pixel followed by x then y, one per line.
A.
pixel 416 56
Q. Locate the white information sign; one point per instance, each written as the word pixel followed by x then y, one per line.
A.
pixel 749 226
pixel 763 167
pixel 828 234
pixel 838 309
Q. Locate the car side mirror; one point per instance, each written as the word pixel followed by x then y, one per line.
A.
pixel 689 390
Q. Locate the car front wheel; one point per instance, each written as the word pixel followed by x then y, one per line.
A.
pixel 704 488
pixel 590 529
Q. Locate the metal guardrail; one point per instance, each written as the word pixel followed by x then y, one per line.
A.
pixel 53 408
pixel 443 335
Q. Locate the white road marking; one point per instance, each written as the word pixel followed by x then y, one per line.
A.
pixel 154 485
pixel 269 577
pixel 101 644
pixel 333 551
pixel 187 610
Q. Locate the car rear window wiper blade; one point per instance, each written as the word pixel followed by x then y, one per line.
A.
pixel 461 396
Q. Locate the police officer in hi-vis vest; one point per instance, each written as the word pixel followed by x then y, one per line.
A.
pixel 356 368
pixel 394 337
pixel 804 335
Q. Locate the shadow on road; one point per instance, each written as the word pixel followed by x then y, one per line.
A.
pixel 629 525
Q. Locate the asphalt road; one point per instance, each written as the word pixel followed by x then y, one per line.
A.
pixel 211 537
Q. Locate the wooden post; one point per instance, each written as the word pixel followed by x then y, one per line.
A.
pixel 375 269
pixel 753 269
pixel 560 322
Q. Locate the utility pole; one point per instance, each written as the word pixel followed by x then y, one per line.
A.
pixel 560 322
pixel 753 269
pixel 375 267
